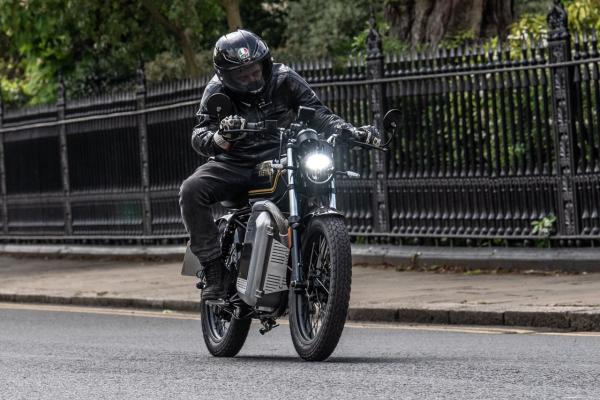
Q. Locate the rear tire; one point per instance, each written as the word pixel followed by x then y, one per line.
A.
pixel 317 316
pixel 223 334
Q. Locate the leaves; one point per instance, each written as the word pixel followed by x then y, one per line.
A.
pixel 95 45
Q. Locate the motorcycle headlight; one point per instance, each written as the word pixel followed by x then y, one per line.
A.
pixel 318 167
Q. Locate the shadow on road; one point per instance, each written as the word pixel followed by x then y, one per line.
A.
pixel 331 360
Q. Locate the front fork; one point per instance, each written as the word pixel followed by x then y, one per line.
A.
pixel 294 219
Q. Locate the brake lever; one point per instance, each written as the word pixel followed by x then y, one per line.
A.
pixel 243 131
pixel 370 146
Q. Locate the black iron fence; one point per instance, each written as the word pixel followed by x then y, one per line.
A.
pixel 496 145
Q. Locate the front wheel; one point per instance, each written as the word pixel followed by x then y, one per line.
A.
pixel 318 314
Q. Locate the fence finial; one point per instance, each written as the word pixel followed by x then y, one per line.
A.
pixel 558 20
pixel 374 45
pixel 61 99
pixel 140 77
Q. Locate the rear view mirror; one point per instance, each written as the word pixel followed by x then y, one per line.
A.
pixel 305 114
pixel 219 105
pixel 392 120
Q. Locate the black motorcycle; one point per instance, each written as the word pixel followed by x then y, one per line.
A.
pixel 286 246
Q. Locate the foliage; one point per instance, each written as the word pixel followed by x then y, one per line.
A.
pixel 329 35
pixel 95 45
pixel 458 39
pixel 267 19
pixel 98 45
pixel 543 228
pixel 167 66
pixel 584 15
pixel 391 44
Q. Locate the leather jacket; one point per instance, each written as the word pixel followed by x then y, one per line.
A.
pixel 280 100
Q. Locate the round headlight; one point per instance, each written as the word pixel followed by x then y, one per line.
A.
pixel 318 167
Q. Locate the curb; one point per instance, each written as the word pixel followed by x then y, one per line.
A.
pixel 485 258
pixel 567 320
pixel 409 257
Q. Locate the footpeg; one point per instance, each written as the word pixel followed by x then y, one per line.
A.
pixel 215 303
pixel 299 286
pixel 267 324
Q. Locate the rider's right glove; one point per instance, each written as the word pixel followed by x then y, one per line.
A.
pixel 232 123
pixel 224 137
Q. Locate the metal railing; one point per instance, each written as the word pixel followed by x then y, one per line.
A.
pixel 491 143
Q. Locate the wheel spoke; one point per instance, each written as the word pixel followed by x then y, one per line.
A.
pixel 322 285
pixel 317 293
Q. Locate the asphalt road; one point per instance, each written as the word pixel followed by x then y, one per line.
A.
pixel 51 352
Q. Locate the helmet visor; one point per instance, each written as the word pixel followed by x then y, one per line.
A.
pixel 248 78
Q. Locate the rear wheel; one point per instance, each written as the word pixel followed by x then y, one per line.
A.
pixel 318 314
pixel 224 335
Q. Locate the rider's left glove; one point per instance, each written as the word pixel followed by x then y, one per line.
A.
pixel 367 134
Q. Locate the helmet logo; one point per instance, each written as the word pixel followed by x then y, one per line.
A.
pixel 243 54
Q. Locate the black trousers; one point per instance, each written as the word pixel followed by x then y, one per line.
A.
pixel 212 182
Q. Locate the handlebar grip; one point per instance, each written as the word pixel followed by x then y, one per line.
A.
pixel 254 125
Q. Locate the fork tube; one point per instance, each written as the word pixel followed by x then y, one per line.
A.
pixel 294 220
pixel 333 199
pixel 291 183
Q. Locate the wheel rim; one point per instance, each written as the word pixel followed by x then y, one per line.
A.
pixel 218 325
pixel 218 321
pixel 312 304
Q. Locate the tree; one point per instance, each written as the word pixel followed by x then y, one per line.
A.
pixel 331 34
pixel 232 10
pixel 429 21
pixel 97 45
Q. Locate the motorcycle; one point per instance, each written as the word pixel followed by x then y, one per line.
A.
pixel 285 244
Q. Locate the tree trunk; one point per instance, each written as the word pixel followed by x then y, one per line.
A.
pixel 232 9
pixel 429 21
pixel 189 55
pixel 180 34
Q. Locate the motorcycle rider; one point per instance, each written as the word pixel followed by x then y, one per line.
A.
pixel 259 90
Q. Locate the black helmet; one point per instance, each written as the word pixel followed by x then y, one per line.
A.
pixel 243 62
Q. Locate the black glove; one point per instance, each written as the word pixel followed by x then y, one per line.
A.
pixel 367 134
pixel 233 122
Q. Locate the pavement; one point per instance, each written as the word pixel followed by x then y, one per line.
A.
pixel 566 301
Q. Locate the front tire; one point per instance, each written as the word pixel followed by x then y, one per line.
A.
pixel 318 314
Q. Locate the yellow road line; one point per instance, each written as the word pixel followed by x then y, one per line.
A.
pixel 103 311
pixel 195 316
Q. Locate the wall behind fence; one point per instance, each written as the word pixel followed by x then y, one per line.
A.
pixel 493 146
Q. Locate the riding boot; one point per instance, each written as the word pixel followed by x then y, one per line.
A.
pixel 213 272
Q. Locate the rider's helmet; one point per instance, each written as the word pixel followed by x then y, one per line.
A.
pixel 243 62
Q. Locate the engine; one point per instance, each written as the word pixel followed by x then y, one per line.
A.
pixel 262 277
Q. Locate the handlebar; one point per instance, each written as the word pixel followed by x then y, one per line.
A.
pixel 271 126
pixel 256 127
pixel 348 135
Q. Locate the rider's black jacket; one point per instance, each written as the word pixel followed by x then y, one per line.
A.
pixel 285 92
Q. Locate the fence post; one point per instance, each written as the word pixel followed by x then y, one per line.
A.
pixel 559 49
pixel 3 172
pixel 140 96
pixel 375 65
pixel 61 105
